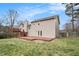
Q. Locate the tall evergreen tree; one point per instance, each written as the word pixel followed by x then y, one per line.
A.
pixel 72 10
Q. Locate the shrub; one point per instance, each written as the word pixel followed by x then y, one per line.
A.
pixel 7 35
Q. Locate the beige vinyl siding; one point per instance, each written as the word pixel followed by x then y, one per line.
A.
pixel 57 28
pixel 47 27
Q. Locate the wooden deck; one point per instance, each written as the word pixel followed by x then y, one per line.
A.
pixel 37 38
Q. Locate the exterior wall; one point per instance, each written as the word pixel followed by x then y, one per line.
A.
pixel 47 27
pixel 57 28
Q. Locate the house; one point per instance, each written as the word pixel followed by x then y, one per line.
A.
pixel 44 27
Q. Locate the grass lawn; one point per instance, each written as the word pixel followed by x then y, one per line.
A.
pixel 15 46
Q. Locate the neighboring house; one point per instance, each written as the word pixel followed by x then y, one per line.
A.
pixel 45 27
pixel 24 26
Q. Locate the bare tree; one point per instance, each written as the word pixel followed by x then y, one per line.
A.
pixel 1 22
pixel 12 17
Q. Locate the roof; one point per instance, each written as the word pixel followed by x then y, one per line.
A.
pixel 47 18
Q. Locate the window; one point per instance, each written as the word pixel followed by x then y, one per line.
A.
pixel 29 26
pixel 22 25
pixel 40 33
pixel 38 23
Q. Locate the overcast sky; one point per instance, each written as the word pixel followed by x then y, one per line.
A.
pixel 32 11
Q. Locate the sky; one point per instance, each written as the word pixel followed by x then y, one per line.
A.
pixel 33 11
